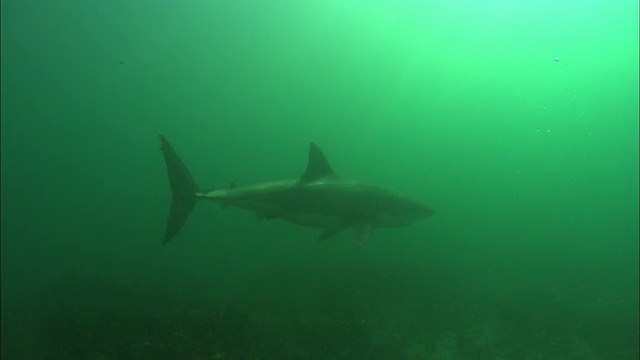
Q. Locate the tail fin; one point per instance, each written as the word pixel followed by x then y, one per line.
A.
pixel 183 190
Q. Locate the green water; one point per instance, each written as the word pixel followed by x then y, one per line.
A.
pixel 531 164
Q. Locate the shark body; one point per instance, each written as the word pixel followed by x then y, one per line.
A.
pixel 318 199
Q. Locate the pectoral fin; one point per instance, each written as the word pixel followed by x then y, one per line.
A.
pixel 268 212
pixel 331 232
pixel 361 233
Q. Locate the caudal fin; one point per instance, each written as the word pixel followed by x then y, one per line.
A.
pixel 183 190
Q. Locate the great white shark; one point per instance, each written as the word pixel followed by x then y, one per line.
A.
pixel 318 199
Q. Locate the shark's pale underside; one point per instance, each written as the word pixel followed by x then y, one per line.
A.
pixel 318 199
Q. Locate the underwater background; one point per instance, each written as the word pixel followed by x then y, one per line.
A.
pixel 516 120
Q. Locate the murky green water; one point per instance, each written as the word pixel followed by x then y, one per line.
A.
pixel 516 120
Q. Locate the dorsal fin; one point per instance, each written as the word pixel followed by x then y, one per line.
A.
pixel 318 166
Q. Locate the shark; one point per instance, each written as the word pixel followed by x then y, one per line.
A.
pixel 318 199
